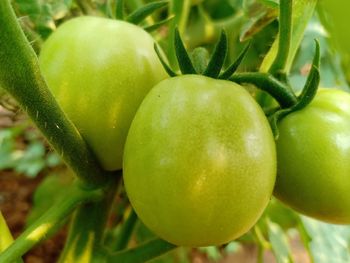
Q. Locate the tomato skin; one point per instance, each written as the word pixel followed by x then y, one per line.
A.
pixel 99 70
pixel 313 156
pixel 199 161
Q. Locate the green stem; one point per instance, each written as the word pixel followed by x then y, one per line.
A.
pixel 20 76
pixel 109 9
pixel 263 243
pixel 49 223
pixel 142 253
pixel 126 230
pixel 302 13
pixel 305 238
pixel 264 81
pixel 285 32
pixel 86 232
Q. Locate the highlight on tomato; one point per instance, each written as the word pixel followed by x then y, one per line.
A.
pixel 99 70
pixel 199 161
pixel 313 157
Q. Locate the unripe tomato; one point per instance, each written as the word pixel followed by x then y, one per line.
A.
pixel 99 70
pixel 199 161
pixel 313 157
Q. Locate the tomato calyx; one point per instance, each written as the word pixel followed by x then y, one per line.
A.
pixel 196 65
pixel 275 81
pixel 140 14
pixel 307 95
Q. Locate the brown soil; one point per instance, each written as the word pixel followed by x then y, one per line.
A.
pixel 15 202
pixel 16 193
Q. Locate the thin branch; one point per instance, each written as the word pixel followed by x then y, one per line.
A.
pixel 285 33
pixel 23 80
pixel 49 222
pixel 264 81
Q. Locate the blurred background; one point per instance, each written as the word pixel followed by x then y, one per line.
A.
pixel 32 176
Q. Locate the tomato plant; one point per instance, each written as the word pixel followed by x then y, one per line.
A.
pixel 200 159
pixel 313 158
pixel 199 147
pixel 336 19
pixel 99 70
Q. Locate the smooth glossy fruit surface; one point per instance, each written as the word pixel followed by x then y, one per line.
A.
pixel 99 70
pixel 313 153
pixel 199 161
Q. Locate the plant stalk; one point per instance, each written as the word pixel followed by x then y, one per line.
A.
pixel 123 238
pixel 264 81
pixel 86 233
pixel 20 76
pixel 49 222
pixel 278 66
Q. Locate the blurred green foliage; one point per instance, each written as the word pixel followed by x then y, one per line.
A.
pixel 28 157
pixel 243 20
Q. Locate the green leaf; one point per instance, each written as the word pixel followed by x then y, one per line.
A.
pixel 32 160
pixel 270 3
pixel 143 233
pixel 142 253
pixel 258 23
pixel 122 239
pixel 279 242
pixel 167 68
pixel 302 12
pixel 140 14
pixel 280 214
pixel 331 71
pixel 5 237
pixel 6 150
pixel 120 10
pixel 328 243
pixel 185 63
pixel 312 82
pixel 43 14
pixel 159 24
pixel 307 95
pixel 233 67
pixel 29 7
pixel 50 190
pixel 218 58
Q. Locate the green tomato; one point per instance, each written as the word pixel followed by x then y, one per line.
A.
pixel 99 70
pixel 199 161
pixel 313 156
